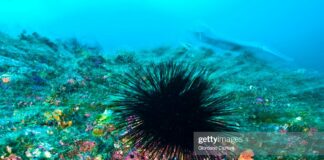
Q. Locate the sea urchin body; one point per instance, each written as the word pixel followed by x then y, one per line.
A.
pixel 168 102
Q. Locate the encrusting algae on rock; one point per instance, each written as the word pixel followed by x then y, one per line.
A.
pixel 66 100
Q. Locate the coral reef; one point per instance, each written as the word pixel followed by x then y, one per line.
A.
pixel 62 99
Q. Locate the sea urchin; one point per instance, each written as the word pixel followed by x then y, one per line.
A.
pixel 168 102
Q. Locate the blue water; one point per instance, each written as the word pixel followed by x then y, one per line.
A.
pixel 293 28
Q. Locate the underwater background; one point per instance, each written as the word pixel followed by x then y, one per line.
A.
pixel 133 79
pixel 290 28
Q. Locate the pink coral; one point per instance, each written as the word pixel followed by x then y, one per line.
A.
pixel 13 157
pixel 87 146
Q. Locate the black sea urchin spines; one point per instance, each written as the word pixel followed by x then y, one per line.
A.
pixel 171 101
